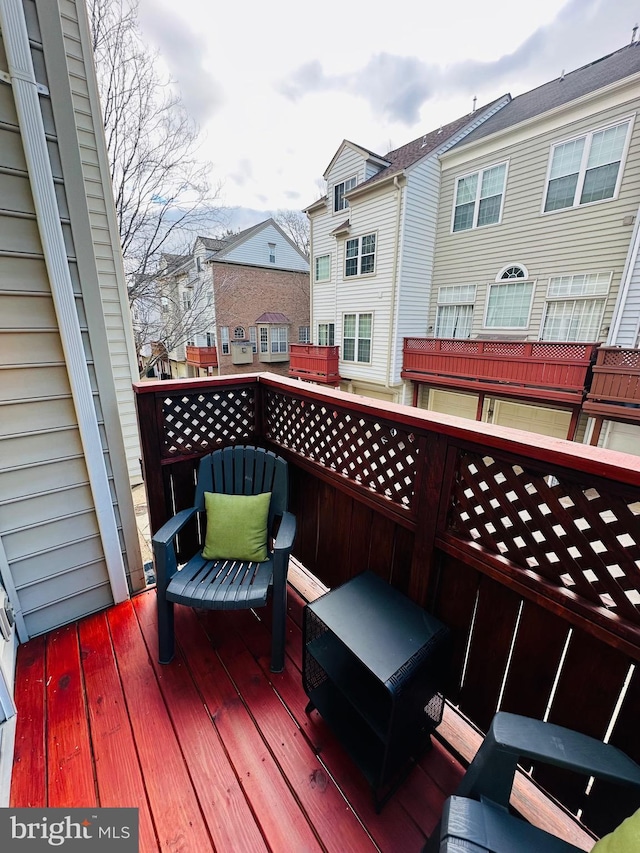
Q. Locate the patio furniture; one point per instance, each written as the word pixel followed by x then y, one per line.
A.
pixel 373 667
pixel 241 579
pixel 476 819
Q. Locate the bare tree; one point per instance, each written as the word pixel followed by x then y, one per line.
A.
pixel 296 225
pixel 162 194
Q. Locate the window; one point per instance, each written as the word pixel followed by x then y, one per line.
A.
pixel 575 307
pixel 164 302
pixel 253 338
pixel 360 255
pixel 272 253
pixel 587 168
pixel 339 201
pixel 326 334
pixel 323 268
pixel 304 336
pixel 279 339
pixel 455 311
pixel 238 333
pixel 224 339
pixel 211 339
pixel 264 339
pixel 356 337
pixel 509 305
pixel 186 300
pixel 199 264
pixel 479 198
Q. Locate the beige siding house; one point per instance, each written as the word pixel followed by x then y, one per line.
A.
pixel 372 239
pixel 68 539
pixel 535 225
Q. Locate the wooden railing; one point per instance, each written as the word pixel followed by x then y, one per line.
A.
pixel 202 356
pixel 615 389
pixel 315 363
pixel 546 370
pixel 527 547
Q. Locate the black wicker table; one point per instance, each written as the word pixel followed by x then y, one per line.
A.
pixel 373 666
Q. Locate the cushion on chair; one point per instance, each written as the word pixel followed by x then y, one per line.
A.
pixel 624 839
pixel 236 526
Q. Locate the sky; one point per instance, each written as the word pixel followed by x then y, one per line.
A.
pixel 275 87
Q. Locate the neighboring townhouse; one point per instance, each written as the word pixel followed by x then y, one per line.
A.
pixel 68 537
pixel 535 235
pixel 259 283
pixel 372 243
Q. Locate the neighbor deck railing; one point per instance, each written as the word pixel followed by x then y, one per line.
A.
pixel 527 547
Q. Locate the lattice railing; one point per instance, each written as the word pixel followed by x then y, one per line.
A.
pixel 578 537
pixel 539 350
pixel 370 453
pixel 198 422
pixel 629 358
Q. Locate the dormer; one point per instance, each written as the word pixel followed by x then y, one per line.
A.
pixel 351 165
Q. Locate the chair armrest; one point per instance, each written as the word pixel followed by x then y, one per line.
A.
pixel 512 737
pixel 171 528
pixel 286 533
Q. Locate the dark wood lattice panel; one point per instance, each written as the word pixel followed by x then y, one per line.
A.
pixel 576 536
pixel 375 455
pixel 202 421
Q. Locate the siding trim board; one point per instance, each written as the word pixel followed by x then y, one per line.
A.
pixel 17 45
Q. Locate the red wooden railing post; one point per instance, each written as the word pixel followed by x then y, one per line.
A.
pixel 148 403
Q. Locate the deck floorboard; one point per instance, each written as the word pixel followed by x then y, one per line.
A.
pixel 216 751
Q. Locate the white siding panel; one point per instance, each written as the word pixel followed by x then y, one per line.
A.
pixel 591 238
pixel 255 250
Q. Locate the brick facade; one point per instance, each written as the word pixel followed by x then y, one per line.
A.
pixel 242 293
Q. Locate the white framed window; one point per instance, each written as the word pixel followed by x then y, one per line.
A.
pixel 253 338
pixel 356 337
pixel 304 335
pixel 199 264
pixel 360 255
pixel 164 304
pixel 238 333
pixel 279 339
pixel 326 334
pixel 454 316
pixel 509 304
pixel 575 307
pixel 224 339
pixel 272 253
pixel 264 339
pixel 339 201
pixel 479 198
pixel 211 339
pixel 586 169
pixel 323 268
pixel 186 300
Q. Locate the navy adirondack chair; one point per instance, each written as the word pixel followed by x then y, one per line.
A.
pixel 228 584
pixel 476 819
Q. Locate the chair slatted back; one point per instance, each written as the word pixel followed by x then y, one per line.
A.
pixel 243 470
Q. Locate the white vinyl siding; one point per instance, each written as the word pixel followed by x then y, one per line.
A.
pixel 259 246
pixel 479 197
pixel 594 240
pixel 575 307
pixel 587 168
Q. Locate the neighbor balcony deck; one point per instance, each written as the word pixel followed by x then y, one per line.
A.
pixel 547 371
pixel 615 390
pixel 527 547
pixel 201 356
pixel 315 363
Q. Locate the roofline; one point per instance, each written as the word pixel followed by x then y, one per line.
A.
pixel 624 82
pixel 365 188
pixel 251 232
pixel 227 262
pixel 369 155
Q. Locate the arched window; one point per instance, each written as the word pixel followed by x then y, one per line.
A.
pixel 238 333
pixel 512 271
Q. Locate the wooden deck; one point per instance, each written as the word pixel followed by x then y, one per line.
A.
pixel 215 750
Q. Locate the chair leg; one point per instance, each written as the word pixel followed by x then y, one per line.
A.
pixel 278 628
pixel 166 638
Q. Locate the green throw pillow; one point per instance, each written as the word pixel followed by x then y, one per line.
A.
pixel 236 526
pixel 624 839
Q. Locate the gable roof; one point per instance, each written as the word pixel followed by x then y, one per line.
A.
pixel 564 89
pixel 273 317
pixel 220 247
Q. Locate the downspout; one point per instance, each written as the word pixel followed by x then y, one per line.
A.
pixel 311 276
pixel 25 92
pixel 394 286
